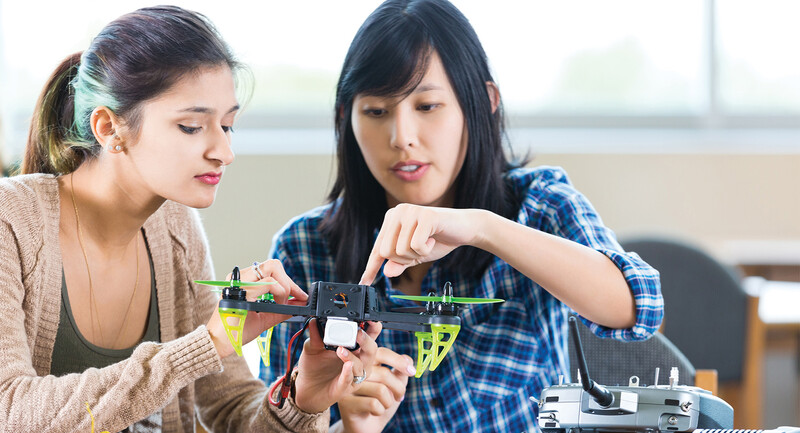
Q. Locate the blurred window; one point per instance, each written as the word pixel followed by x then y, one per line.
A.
pixel 759 73
pixel 563 64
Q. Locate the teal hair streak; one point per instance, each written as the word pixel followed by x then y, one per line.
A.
pixel 91 91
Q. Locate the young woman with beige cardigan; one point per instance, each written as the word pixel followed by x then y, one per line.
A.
pixel 99 247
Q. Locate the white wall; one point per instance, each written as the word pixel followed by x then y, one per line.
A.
pixel 734 205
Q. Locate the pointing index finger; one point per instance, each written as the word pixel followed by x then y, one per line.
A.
pixel 374 262
pixel 373 266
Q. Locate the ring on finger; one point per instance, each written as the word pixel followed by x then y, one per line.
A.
pixel 358 379
pixel 258 271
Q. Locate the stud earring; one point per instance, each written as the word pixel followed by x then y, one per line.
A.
pixel 118 148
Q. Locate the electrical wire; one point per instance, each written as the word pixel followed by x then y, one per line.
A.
pixel 285 380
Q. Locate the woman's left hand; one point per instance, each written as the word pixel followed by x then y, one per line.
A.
pixel 326 376
pixel 413 234
pixel 270 271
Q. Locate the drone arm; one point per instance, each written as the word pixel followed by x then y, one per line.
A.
pixel 409 327
pixel 389 317
pixel 265 307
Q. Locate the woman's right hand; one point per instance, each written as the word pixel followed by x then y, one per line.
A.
pixel 325 376
pixel 413 234
pixel 374 404
pixel 256 323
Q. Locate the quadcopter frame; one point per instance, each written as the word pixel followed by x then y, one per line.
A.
pixel 340 309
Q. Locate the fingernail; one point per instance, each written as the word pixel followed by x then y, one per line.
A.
pixel 411 370
pixel 342 352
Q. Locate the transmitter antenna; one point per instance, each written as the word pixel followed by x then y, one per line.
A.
pixel 599 393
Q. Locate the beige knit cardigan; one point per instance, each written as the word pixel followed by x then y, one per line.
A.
pixel 175 376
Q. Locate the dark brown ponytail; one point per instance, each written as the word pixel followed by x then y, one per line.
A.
pixel 48 149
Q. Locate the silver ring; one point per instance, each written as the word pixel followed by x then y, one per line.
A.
pixel 258 271
pixel 358 379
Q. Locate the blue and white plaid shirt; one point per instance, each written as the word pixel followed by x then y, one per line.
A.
pixel 504 353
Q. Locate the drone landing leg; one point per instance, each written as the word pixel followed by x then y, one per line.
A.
pixel 441 346
pixel 424 351
pixel 263 346
pixel 241 315
pixel 433 346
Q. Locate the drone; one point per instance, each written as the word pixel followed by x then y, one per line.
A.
pixel 342 308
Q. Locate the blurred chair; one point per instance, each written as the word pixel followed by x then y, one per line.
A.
pixel 711 319
pixel 613 362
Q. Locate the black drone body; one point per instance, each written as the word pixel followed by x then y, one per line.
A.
pixel 341 309
pixel 352 303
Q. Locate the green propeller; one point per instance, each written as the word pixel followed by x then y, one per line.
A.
pixel 233 283
pixel 449 299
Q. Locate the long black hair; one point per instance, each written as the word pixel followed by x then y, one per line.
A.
pixel 388 57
